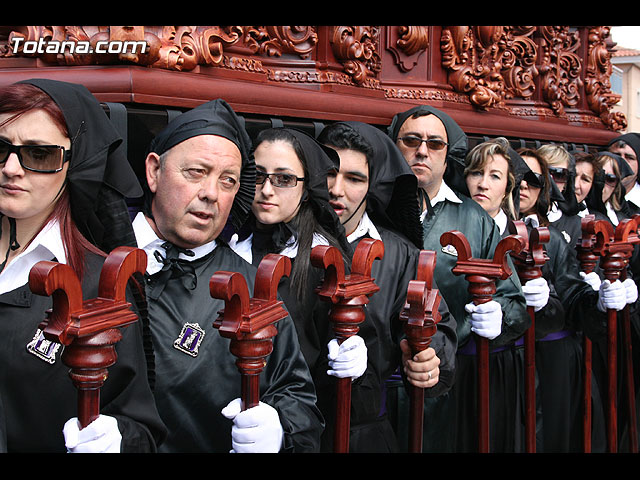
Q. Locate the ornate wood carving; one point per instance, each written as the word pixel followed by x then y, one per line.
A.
pixel 407 43
pixel 279 40
pixel 490 63
pixel 357 49
pixel 597 83
pixel 560 68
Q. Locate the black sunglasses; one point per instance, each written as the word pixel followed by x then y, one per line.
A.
pixel 415 142
pixel 36 158
pixel 610 179
pixel 283 180
pixel 533 179
pixel 559 174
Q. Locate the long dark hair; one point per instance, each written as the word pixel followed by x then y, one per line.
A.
pixel 541 208
pixel 305 223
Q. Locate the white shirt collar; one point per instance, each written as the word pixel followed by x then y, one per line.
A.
pixel 611 213
pixel 46 245
pixel 554 213
pixel 634 195
pixel 444 193
pixel 148 241
pixel 501 220
pixel 584 212
pixel 365 226
pixel 532 220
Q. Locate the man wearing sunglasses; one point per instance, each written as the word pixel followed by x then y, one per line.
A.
pixel 628 147
pixel 435 146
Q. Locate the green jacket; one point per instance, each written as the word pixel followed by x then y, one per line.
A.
pixel 483 236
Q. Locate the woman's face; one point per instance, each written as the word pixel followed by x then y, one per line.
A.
pixel 273 204
pixel 610 180
pixel 528 194
pixel 584 180
pixel 27 195
pixel 488 187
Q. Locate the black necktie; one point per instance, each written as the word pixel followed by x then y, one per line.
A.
pixel 173 267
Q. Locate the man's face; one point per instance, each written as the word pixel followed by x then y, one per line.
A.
pixel 427 163
pixel 348 188
pixel 194 189
pixel 631 158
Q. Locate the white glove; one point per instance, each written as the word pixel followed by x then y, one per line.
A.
pixel 536 293
pixel 631 289
pixel 486 319
pixel 100 436
pixel 348 359
pixel 592 279
pixel 255 430
pixel 611 296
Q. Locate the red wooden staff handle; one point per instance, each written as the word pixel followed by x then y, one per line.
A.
pixel 481 274
pixel 614 248
pixel 420 316
pixel 250 322
pixel 89 329
pixel 348 295
pixel 528 263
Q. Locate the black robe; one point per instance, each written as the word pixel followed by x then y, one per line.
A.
pixel 392 274
pixel 559 360
pixel 38 397
pixel 191 391
pixel 452 416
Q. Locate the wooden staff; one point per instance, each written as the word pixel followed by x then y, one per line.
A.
pixel 420 316
pixel 629 230
pixel 250 322
pixel 89 329
pixel 613 249
pixel 528 263
pixel 481 274
pixel 588 262
pixel 348 295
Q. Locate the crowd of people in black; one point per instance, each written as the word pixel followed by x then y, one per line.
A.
pixel 215 199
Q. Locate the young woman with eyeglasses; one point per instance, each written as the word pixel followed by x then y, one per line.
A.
pixel 56 150
pixel 290 215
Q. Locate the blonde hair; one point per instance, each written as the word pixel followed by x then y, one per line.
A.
pixel 554 155
pixel 477 159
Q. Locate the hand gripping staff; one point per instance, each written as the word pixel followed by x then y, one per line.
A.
pixel 420 316
pixel 481 274
pixel 588 261
pixel 249 322
pixel 528 263
pixel 89 329
pixel 348 294
pixel 614 249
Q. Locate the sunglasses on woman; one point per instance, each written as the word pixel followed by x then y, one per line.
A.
pixel 412 141
pixel 610 179
pixel 282 180
pixel 559 174
pixel 36 158
pixel 533 179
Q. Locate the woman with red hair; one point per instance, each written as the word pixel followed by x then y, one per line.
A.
pixel 63 185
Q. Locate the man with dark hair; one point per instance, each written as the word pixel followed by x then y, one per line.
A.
pixel 434 146
pixel 200 173
pixel 628 147
pixel 374 193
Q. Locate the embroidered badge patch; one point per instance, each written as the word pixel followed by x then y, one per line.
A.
pixel 42 348
pixel 450 250
pixel 190 339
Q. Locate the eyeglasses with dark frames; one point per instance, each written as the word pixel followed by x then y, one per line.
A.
pixel 533 179
pixel 281 180
pixel 36 158
pixel 559 174
pixel 610 179
pixel 412 141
